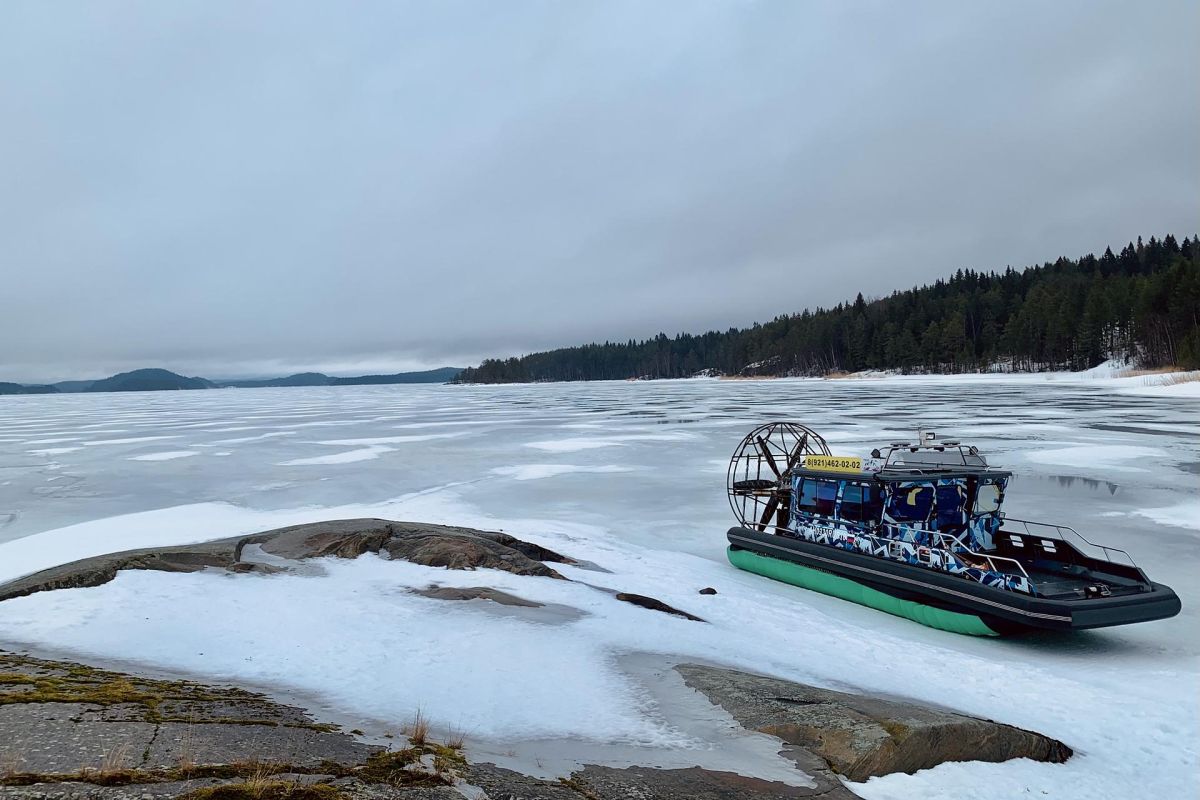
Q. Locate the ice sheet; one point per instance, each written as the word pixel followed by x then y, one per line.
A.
pixel 533 472
pixel 344 457
pixel 1183 515
pixel 166 455
pixel 1106 456
pixel 1114 695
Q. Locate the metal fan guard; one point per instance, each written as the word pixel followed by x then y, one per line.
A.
pixel 756 491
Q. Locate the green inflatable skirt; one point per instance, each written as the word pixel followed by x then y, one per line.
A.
pixel 846 589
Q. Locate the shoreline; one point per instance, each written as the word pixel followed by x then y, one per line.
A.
pixel 733 733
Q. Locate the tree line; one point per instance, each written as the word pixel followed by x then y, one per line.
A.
pixel 1141 304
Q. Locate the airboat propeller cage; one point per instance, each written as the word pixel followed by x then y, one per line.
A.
pixel 758 481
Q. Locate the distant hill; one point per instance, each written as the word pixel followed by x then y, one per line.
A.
pixel 299 379
pixel 441 375
pixel 427 376
pixel 73 386
pixel 19 388
pixel 157 380
pixel 148 380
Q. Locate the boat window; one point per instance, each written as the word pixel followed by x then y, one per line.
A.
pixel 861 502
pixel 987 498
pixel 951 506
pixel 817 496
pixel 911 504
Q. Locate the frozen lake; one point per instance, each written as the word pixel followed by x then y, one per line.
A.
pixel 631 475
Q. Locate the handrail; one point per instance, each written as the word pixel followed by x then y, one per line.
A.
pixel 989 558
pixel 960 449
pixel 1060 532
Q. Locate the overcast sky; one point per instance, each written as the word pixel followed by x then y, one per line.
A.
pixel 230 189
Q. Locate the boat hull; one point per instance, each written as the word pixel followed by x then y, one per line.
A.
pixel 932 598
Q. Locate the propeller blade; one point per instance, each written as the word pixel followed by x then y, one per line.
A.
pixel 762 447
pixel 772 504
pixel 798 453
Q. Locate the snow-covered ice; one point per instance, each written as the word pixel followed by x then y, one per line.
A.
pixel 1184 515
pixel 344 457
pixel 642 495
pixel 53 451
pixel 1106 456
pixel 533 472
pixel 166 455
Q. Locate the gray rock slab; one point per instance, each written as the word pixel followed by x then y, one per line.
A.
pixel 475 593
pixel 59 737
pixel 163 791
pixel 224 744
pixel 504 784
pixel 861 736
pixel 98 570
pixel 645 783
pixel 72 790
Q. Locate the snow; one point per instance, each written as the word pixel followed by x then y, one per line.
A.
pixel 167 455
pixel 244 439
pixel 654 517
pixel 131 440
pixel 1111 457
pixel 1183 515
pixel 53 451
pixel 575 444
pixel 1108 375
pixel 344 457
pixel 533 472
pixel 393 439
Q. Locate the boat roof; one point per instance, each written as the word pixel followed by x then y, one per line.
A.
pixel 926 459
pixel 891 475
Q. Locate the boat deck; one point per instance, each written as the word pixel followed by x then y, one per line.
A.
pixel 1064 586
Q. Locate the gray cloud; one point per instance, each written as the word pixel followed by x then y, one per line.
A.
pixel 254 188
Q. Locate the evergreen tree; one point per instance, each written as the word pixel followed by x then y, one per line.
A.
pixel 1142 304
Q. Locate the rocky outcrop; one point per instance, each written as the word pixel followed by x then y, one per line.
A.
pixel 72 731
pixel 421 543
pixel 62 718
pixel 77 729
pixel 862 736
pixel 463 551
pixel 445 546
pixel 643 601
pixel 432 545
pixel 102 569
pixel 475 593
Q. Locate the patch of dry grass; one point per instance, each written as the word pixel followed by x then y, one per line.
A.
pixel 418 731
pixel 456 738
pixel 10 764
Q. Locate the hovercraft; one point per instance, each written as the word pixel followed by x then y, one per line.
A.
pixel 917 530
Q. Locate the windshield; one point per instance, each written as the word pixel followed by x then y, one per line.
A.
pixel 987 499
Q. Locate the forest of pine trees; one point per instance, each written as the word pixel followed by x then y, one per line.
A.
pixel 1141 304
